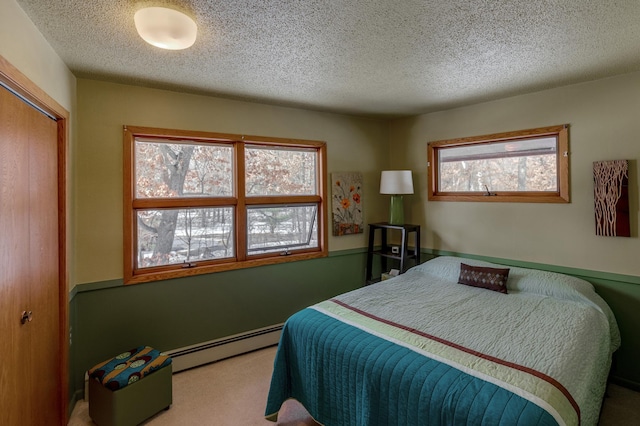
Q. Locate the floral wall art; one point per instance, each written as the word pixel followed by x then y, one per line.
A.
pixel 346 206
pixel 611 196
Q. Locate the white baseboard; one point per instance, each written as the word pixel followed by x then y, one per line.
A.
pixel 215 350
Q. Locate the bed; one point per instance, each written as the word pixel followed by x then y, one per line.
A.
pixel 422 349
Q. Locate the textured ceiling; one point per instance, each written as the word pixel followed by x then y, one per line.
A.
pixel 369 57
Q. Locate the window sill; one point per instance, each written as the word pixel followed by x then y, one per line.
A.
pixel 144 277
pixel 502 198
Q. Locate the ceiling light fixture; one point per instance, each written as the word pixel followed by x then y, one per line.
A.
pixel 165 28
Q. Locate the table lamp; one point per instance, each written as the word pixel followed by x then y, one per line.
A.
pixel 396 183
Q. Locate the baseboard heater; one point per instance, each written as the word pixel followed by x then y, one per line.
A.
pixel 215 350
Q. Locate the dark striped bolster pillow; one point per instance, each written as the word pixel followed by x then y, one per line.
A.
pixel 484 277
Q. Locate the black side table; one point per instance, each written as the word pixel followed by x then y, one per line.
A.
pixel 385 251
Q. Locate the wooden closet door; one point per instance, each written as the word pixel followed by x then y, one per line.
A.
pixel 30 353
pixel 14 256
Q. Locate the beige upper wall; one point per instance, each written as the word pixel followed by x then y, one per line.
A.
pixel 604 125
pixel 22 44
pixel 353 144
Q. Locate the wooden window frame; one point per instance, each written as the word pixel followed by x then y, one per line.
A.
pixel 561 195
pixel 238 201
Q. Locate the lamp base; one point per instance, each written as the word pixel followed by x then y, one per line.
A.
pixel 396 212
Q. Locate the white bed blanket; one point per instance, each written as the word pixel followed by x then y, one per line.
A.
pixel 552 323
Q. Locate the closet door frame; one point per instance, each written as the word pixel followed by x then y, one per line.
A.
pixel 17 82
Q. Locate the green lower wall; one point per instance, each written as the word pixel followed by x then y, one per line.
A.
pixel 624 299
pixel 108 317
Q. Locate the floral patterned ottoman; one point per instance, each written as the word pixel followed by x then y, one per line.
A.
pixel 129 388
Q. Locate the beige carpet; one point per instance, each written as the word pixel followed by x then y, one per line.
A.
pixel 233 392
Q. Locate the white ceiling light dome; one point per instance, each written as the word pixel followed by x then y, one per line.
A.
pixel 165 28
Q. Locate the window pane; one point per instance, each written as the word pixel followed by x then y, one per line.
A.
pixel 517 165
pixel 165 170
pixel 280 228
pixel 172 236
pixel 285 171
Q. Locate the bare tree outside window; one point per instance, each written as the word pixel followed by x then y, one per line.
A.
pixel 523 166
pixel 191 209
pixel 169 170
pixel 197 234
pixel 500 169
pixel 272 171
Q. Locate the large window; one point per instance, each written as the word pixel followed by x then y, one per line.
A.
pixel 523 166
pixel 202 202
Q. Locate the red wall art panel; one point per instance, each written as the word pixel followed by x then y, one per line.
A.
pixel 611 196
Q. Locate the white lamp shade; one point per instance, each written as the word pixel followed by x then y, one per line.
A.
pixel 396 182
pixel 165 28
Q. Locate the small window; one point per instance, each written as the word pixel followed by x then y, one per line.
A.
pixel 524 166
pixel 203 202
